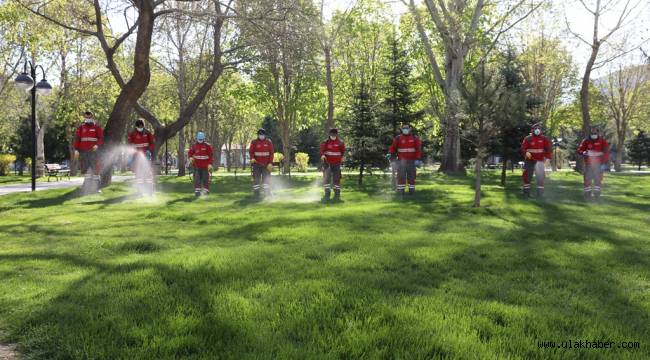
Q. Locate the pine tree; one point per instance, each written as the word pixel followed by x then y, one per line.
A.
pixel 638 149
pixel 366 148
pixel 400 100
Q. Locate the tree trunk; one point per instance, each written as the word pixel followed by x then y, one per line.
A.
pixel 618 159
pixel 584 98
pixel 451 160
pixel 330 88
pixel 360 180
pixel 477 181
pixel 40 149
pixel 131 91
pixel 74 163
pixel 181 153
pixel 504 167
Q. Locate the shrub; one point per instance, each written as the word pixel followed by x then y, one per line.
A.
pixel 278 157
pixel 5 161
pixel 302 161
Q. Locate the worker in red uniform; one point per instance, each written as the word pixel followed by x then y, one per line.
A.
pixel 200 155
pixel 261 155
pixel 535 148
pixel 140 163
pixel 595 151
pixel 87 140
pixel 331 153
pixel 408 149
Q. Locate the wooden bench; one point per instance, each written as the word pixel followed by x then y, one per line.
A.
pixel 56 171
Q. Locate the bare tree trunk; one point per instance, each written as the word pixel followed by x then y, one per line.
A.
pixel 504 167
pixel 181 153
pixel 477 181
pixel 584 98
pixel 330 88
pixel 360 180
pixel 40 149
pixel 618 159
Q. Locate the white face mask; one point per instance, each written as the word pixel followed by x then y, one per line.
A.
pixel 140 129
pixel 261 137
pixel 332 137
pixel 537 131
pixel 594 136
pixel 406 131
pixel 200 141
pixel 88 120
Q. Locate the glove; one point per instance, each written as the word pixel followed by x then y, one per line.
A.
pixel 192 161
pixel 585 153
pixel 253 161
pixel 210 167
pixel 269 167
pixel 95 147
pixel 76 154
pixel 418 163
pixel 388 156
pixel 529 155
pixel 603 167
pixel 147 154
pixel 323 157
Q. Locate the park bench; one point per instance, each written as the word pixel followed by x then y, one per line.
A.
pixel 56 171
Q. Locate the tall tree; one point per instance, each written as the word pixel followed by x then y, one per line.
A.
pixel 458 23
pixel 638 149
pixel 598 10
pixel 287 70
pixel 366 149
pixel 624 89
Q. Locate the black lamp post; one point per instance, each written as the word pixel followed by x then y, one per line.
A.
pixel 26 82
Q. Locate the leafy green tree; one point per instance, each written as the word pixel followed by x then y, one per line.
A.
pixel 399 101
pixel 366 149
pixel 638 149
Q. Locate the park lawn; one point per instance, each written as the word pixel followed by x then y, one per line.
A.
pixel 112 277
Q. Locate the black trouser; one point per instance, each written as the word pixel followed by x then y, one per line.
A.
pixel 89 165
pixel 201 180
pixel 261 178
pixel 530 167
pixel 332 178
pixel 405 171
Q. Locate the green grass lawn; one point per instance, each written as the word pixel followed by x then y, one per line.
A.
pixel 112 277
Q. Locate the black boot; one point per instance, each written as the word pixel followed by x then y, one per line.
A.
pixel 540 193
pixel 197 193
pixel 326 195
pixel 257 194
pixel 526 193
pixel 337 194
pixel 411 191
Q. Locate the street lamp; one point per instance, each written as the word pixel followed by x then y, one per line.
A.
pixel 26 82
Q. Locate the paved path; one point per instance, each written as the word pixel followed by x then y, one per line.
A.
pixel 74 182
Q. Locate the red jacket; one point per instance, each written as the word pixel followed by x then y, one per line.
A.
pixel 202 155
pixel 333 151
pixel 596 152
pixel 88 136
pixel 261 151
pixel 143 141
pixel 539 146
pixel 407 147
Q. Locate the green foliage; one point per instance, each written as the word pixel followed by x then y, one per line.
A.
pixel 5 161
pixel 278 157
pixel 302 161
pixel 366 148
pixel 638 149
pixel 399 102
